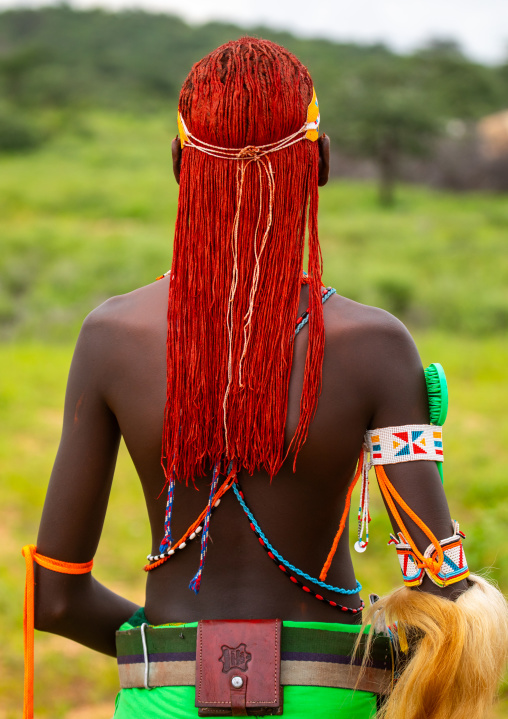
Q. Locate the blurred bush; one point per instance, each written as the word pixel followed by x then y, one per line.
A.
pixel 379 108
pixel 18 134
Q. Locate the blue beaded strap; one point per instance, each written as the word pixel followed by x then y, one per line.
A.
pixel 302 321
pixel 165 549
pixel 281 559
pixel 196 580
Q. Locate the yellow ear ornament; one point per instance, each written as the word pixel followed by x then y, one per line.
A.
pixel 313 118
pixel 181 130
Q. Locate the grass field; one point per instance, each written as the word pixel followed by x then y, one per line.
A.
pixel 90 216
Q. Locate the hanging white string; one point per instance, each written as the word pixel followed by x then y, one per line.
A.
pixel 363 509
pixel 245 156
pixel 267 166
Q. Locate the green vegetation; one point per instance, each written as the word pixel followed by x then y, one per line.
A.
pixel 59 56
pixel 88 202
pixel 90 215
pixel 374 103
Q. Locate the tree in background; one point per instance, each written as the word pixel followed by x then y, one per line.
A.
pixel 375 104
pixel 458 88
pixel 384 113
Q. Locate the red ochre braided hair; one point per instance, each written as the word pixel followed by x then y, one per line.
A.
pixel 237 265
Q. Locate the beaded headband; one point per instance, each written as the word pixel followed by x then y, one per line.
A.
pixel 309 130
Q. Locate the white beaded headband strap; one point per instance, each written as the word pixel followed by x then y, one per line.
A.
pixel 309 130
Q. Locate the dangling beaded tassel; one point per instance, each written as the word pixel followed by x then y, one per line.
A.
pixel 166 540
pixel 363 509
pixel 196 580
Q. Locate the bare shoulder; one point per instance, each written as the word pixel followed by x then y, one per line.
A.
pixel 381 358
pixel 362 325
pixel 119 336
pixel 138 310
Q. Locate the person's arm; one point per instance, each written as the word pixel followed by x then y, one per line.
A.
pixel 400 398
pixel 77 606
pixel 453 652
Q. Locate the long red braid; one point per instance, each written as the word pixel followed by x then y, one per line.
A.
pixel 247 92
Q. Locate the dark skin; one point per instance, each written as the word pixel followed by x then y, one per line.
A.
pixel 372 377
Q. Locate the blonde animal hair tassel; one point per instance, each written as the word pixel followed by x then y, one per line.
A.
pixel 457 651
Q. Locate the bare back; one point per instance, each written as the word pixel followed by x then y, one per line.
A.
pixel 372 376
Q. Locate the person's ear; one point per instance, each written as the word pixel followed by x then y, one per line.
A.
pixel 176 153
pixel 324 159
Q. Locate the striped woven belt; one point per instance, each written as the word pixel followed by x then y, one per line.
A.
pixel 309 657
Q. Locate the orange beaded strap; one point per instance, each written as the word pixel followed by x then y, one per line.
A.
pixel 343 519
pixel 194 529
pixel 30 554
pixel 392 497
pixel 443 560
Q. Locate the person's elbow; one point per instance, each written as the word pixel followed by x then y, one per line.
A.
pixel 49 616
pixel 57 600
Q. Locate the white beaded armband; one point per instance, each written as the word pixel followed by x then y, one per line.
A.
pixel 407 442
pixel 390 445
pixel 453 568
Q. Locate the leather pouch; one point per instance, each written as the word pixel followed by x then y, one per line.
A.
pixel 238 667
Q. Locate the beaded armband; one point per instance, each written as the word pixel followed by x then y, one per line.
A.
pixel 390 445
pixel 453 567
pixel 443 561
pixel 404 443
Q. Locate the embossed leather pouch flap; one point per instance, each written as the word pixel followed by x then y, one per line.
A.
pixel 238 667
